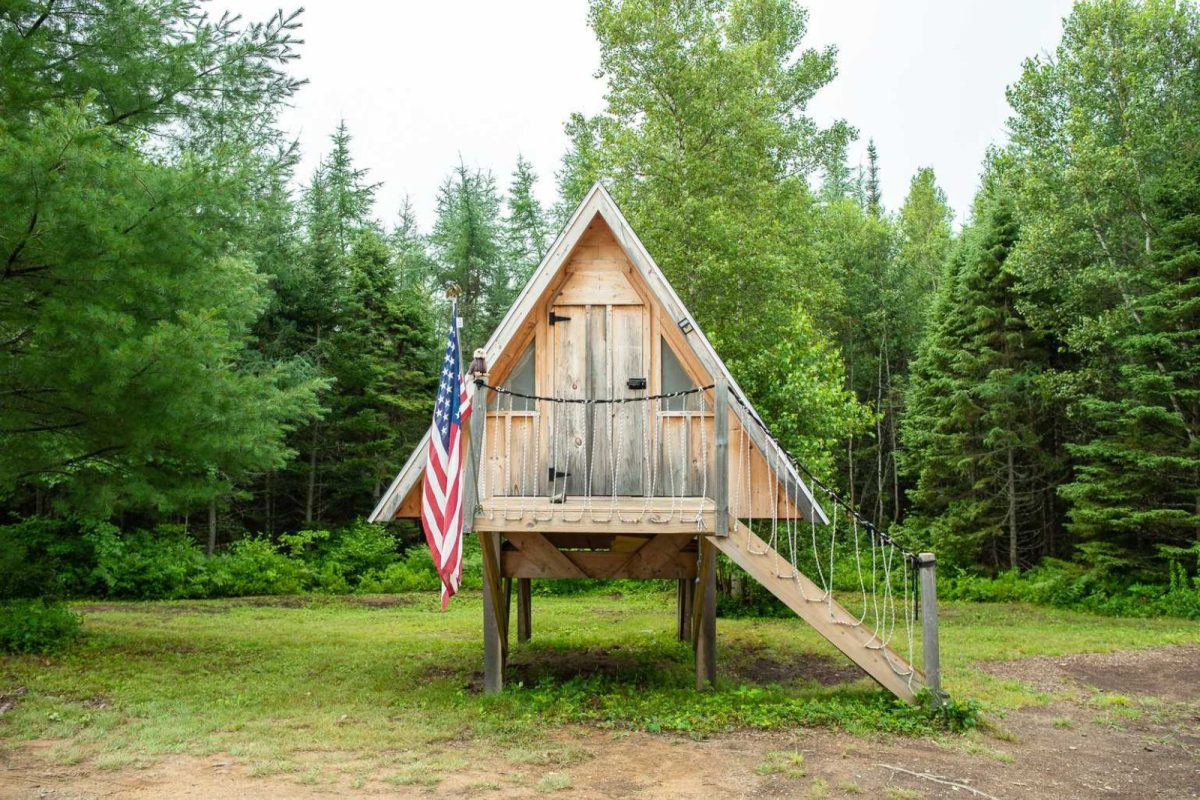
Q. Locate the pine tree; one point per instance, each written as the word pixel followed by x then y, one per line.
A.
pixel 415 265
pixel 874 195
pixel 581 165
pixel 128 292
pixel 924 236
pixel 526 231
pixel 1137 479
pixel 979 406
pixel 467 240
pixel 383 360
pixel 337 207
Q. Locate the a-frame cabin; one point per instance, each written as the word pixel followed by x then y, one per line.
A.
pixel 637 488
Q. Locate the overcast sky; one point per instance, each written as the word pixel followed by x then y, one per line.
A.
pixel 420 83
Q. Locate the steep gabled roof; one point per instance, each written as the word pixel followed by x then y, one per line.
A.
pixel 598 202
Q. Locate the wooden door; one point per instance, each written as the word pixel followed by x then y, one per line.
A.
pixel 597 349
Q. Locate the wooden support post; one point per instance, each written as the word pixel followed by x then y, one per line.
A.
pixel 494 635
pixel 524 609
pixel 704 618
pixel 927 567
pixel 495 607
pixel 683 608
pixel 721 458
pixel 508 586
pixel 474 453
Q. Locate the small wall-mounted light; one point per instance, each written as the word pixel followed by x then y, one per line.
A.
pixel 685 325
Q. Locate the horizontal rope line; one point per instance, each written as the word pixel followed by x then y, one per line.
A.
pixel 597 400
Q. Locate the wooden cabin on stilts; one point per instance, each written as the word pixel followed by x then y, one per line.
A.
pixel 615 444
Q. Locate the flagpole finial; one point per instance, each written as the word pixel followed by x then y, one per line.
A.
pixel 452 291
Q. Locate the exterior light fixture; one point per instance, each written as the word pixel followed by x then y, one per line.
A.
pixel 685 325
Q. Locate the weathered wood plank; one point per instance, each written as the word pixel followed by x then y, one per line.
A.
pixel 704 616
pixel 628 421
pixel 494 644
pixel 544 556
pixel 629 515
pixel 598 284
pixel 720 486
pixel 598 564
pixel 598 455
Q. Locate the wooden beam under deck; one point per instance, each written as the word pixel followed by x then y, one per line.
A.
pixel 661 556
pixel 629 515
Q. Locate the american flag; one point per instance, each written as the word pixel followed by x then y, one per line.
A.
pixel 441 500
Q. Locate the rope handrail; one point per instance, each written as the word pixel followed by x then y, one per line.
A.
pixel 817 482
pixel 596 400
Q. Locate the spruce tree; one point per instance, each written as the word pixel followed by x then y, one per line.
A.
pixel 873 192
pixel 469 251
pixel 1137 479
pixel 979 407
pixel 526 230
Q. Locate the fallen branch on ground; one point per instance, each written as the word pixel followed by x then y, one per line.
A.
pixel 937 779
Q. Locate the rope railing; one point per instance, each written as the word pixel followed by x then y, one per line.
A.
pixel 596 400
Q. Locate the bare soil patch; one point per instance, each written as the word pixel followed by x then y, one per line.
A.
pixel 1147 747
pixel 1169 673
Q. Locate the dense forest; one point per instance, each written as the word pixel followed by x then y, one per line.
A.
pixel 200 345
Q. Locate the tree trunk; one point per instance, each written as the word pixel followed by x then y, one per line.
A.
pixel 1012 512
pixel 212 526
pixel 311 490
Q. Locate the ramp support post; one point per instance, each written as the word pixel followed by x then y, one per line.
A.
pixel 927 570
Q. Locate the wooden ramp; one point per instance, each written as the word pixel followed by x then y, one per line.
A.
pixel 828 617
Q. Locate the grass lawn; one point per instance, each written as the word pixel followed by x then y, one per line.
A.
pixel 390 677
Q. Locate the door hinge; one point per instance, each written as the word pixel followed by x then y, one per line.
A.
pixel 557 318
pixel 556 474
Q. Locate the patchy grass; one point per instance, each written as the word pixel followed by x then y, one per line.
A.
pixel 391 681
pixel 789 765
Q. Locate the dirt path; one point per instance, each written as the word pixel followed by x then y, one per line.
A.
pixel 1144 743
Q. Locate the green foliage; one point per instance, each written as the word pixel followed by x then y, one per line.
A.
pixel 133 143
pixel 1099 581
pixel 1102 167
pixel 36 626
pixel 467 239
pixel 950 713
pixel 527 231
pixel 976 434
pixel 43 557
pixel 163 563
pixel 255 566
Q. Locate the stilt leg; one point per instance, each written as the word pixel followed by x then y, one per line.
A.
pixel 684 595
pixel 704 617
pixel 493 629
pixel 524 609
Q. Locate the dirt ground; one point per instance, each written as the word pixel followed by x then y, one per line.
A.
pixel 1141 743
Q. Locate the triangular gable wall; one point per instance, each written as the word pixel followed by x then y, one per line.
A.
pixel 510 336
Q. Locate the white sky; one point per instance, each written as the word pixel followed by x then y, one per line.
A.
pixel 420 82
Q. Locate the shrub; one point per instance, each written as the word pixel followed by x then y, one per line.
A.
pixel 36 626
pixel 255 566
pixel 352 553
pixel 163 564
pixel 42 557
pixel 413 573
